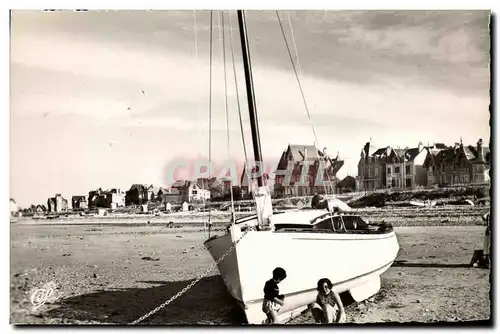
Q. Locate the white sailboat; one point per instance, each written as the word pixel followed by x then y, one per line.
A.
pixel 309 244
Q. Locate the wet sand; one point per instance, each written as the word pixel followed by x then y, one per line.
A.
pixel 115 274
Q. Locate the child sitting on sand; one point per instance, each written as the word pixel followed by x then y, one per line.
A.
pixel 272 298
pixel 328 304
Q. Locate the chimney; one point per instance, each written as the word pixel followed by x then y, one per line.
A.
pixel 480 150
pixel 367 149
pixel 420 146
pixel 305 153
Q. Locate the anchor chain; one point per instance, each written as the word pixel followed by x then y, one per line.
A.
pixel 190 285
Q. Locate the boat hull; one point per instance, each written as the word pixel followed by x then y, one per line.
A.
pixel 353 262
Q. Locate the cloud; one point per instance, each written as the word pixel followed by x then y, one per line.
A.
pixel 398 77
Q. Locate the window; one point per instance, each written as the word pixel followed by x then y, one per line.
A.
pixel 393 182
pixel 389 170
pixel 407 169
pixel 354 223
pixel 396 170
pixel 325 224
pixel 408 183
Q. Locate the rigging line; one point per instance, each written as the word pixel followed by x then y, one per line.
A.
pixel 246 168
pixel 296 49
pixel 227 113
pixel 210 119
pixel 303 99
pixel 294 44
pixel 200 134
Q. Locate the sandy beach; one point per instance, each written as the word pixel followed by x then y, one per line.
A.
pixel 116 273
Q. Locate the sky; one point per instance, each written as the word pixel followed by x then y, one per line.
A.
pixel 111 98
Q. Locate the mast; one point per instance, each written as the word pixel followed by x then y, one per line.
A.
pixel 263 201
pixel 254 123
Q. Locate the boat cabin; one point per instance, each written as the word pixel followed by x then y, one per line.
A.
pixel 319 221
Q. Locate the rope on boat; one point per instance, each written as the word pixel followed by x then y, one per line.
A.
pixel 302 91
pixel 210 122
pixel 233 218
pixel 199 110
pixel 190 285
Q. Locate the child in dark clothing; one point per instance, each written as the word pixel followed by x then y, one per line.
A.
pixel 272 299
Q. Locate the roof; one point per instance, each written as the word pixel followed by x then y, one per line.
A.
pixel 137 186
pixel 202 184
pixel 412 153
pixel 369 149
pixel 379 152
pixel 308 152
pixel 75 198
pixel 347 181
pixel 300 152
pixel 173 191
pixel 470 152
pixel 440 146
pixel 179 184
pixel 400 152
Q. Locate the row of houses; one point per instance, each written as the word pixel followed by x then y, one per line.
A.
pixel 138 194
pixel 305 170
pixel 179 192
pixel 423 166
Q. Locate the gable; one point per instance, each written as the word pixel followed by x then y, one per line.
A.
pixel 420 158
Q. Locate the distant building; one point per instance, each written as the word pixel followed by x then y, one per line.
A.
pixel 173 195
pixel 302 164
pixel 115 198
pixel 458 165
pixel 57 204
pixel 192 191
pixel 422 166
pixel 405 168
pixel 139 194
pixel 79 202
pixel 111 198
pixel 390 167
pixel 40 209
pixel 372 167
pixel 347 184
pixel 13 207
